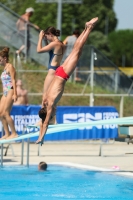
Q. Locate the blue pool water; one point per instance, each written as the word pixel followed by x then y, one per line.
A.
pixel 59 182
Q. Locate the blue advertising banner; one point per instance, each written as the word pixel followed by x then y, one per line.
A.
pixel 24 115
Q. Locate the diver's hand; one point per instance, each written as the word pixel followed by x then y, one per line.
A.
pixel 41 34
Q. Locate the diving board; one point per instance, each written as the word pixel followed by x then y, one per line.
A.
pixel 122 120
pixel 30 135
pixel 26 115
pixel 71 126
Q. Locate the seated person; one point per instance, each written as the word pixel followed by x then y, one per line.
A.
pixel 22 98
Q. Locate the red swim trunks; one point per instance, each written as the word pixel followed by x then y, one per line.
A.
pixel 60 72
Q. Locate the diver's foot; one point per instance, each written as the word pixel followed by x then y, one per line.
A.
pixel 40 141
pixel 12 136
pixel 91 23
pixel 4 137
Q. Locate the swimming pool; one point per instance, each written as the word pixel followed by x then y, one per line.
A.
pixel 60 182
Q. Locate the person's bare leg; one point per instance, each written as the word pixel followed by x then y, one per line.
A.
pixel 48 80
pixel 71 61
pixel 84 35
pixel 4 122
pixel 21 48
pixel 6 110
pixel 6 129
pixel 11 124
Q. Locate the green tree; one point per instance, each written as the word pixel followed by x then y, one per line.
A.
pixel 121 45
pixel 73 16
pixel 46 13
pixel 100 41
pixel 89 9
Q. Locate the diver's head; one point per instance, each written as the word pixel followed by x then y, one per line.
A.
pixel 42 113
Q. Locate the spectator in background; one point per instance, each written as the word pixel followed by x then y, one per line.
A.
pixel 22 94
pixel 69 42
pixel 42 166
pixel 23 24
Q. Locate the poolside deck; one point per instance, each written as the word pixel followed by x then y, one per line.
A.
pixel 76 152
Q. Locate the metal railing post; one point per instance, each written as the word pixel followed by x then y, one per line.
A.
pixel 92 69
pixel 1 155
pixel 100 150
pixel 28 148
pixel 121 106
pixel 26 36
pixel 22 148
pixel 91 99
pixel 2 146
pixel 39 150
pixel 22 152
pixel 116 80
pixel 59 15
pixel 14 59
